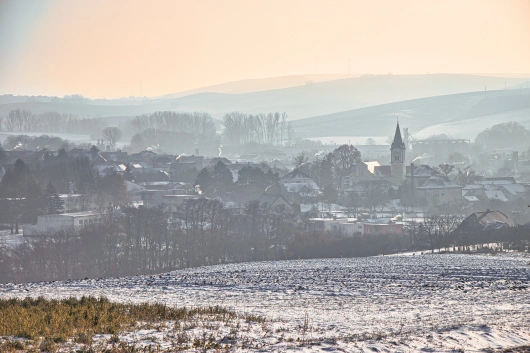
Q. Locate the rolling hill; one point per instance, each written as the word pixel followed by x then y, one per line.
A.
pixel 463 115
pixel 302 101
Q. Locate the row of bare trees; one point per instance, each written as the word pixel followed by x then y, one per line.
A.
pixel 196 124
pixel 172 132
pixel 203 232
pixel 152 240
pixel 271 128
pixel 23 120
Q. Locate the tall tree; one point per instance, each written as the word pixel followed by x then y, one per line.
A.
pixel 111 135
pixel 222 177
pixel 22 193
pixel 203 182
pixel 466 176
pixel 446 169
pixel 341 160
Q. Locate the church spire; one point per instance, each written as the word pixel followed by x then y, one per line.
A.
pixel 398 141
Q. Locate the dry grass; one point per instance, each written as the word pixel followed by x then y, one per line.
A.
pixel 56 321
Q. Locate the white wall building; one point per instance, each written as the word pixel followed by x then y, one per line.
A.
pixel 52 222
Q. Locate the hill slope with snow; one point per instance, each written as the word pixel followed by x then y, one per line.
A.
pixel 464 115
pixel 439 303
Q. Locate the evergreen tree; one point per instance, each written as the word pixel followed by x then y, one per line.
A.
pixel 94 151
pixel 222 178
pixel 204 181
pixel 53 203
pixel 23 194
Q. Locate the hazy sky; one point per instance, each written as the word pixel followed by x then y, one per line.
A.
pixel 102 48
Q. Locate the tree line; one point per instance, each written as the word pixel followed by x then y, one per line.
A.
pixel 172 131
pixel 203 232
pixel 23 120
pixel 244 129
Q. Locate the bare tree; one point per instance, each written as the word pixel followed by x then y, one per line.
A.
pixel 446 169
pixel 111 134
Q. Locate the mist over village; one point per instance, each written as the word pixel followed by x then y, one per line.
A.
pixel 261 176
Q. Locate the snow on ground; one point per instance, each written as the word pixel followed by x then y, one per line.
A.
pixel 470 128
pixel 437 303
pixel 355 140
pixel 11 240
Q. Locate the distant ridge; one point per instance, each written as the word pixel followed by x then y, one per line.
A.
pixel 303 101
pixel 463 115
pixel 260 84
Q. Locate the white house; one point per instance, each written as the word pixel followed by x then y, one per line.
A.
pixel 300 183
pixel 52 222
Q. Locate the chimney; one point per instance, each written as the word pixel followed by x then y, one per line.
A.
pixel 412 177
pixel 515 160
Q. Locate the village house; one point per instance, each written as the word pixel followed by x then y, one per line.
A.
pixel 480 221
pixel 300 183
pixel 171 199
pixel 54 222
pixel 364 188
pixel 417 176
pixel 143 156
pixel 439 189
pixel 346 226
pixel 494 189
pixel 117 156
pixel 360 171
pixel 380 228
pixel 353 226
pixel 273 198
pixel 73 203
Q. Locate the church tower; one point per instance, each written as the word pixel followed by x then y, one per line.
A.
pixel 397 155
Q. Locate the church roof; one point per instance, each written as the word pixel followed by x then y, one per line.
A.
pixel 398 141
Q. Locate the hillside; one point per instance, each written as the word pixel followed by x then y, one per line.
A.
pixel 303 101
pixel 463 115
pixel 452 302
pixel 260 84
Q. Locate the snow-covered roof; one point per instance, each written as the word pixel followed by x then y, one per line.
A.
pixel 295 174
pixel 473 187
pixel 495 195
pixel 471 198
pixel 424 171
pixel 514 189
pixel 439 182
pixel 497 181
pixel 134 187
pixel 297 187
pixel 383 171
pixel 366 185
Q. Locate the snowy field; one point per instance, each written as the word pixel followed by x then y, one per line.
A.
pixel 355 140
pixel 433 303
pixel 470 128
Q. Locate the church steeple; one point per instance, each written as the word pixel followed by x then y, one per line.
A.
pixel 397 155
pixel 398 141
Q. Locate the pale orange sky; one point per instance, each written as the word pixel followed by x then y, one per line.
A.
pixel 104 48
